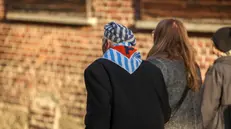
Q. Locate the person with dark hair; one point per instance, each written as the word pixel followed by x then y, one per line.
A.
pixel 123 91
pixel 216 102
pixel 174 55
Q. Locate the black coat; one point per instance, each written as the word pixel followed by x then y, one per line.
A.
pixel 119 100
pixel 227 117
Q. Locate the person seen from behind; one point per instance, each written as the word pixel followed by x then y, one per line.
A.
pixel 123 91
pixel 174 55
pixel 216 102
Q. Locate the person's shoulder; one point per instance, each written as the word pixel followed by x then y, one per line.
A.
pixel 154 60
pixel 221 62
pixel 225 60
pixel 148 63
pixel 152 71
pixel 150 67
pixel 160 62
pixel 220 65
pixel 216 66
pixel 95 64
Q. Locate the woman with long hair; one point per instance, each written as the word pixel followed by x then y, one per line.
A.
pixel 175 57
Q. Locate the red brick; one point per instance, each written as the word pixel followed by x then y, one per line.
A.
pixel 203 51
pixel 208 44
pixel 203 66
pixel 200 44
pixel 209 59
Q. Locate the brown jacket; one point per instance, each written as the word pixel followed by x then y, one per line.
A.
pixel 217 94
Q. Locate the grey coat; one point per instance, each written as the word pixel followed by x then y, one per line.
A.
pixel 188 115
pixel 217 94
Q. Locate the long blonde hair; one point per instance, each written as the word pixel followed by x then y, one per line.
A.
pixel 171 40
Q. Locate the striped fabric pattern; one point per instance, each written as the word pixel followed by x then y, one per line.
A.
pixel 123 44
pixel 129 64
pixel 118 33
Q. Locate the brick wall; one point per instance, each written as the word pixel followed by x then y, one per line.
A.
pixel 41 66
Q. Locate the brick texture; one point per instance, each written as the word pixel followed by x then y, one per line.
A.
pixel 41 66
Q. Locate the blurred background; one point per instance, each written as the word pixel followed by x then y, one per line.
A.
pixel 45 45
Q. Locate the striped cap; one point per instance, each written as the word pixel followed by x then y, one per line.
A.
pixel 118 33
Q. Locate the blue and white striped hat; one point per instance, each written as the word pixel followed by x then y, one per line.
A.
pixel 118 33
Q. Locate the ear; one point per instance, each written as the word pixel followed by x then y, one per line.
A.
pixel 106 46
pixel 109 44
